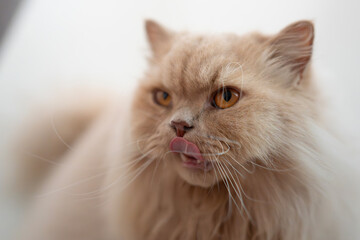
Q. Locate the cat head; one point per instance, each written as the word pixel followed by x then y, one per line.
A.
pixel 213 104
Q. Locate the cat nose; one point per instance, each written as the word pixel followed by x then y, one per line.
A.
pixel 181 127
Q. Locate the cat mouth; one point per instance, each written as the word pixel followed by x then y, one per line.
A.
pixel 193 163
pixel 190 154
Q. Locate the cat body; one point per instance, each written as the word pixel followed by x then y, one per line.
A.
pixel 223 139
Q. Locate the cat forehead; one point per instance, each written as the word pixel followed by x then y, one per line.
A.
pixel 202 62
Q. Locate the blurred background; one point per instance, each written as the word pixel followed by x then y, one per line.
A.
pixel 49 45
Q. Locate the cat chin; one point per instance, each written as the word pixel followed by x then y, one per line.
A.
pixel 196 177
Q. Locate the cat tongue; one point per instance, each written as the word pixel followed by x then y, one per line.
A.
pixel 181 145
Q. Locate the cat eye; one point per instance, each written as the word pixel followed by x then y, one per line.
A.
pixel 225 97
pixel 162 98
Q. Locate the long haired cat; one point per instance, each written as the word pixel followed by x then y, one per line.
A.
pixel 223 140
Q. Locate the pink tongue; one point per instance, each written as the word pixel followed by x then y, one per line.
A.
pixel 181 145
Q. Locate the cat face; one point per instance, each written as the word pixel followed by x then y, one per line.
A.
pixel 209 106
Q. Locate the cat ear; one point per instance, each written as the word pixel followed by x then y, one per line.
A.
pixel 291 49
pixel 158 37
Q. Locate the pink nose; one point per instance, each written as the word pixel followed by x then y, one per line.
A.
pixel 181 127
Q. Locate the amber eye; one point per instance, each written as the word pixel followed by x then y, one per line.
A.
pixel 162 98
pixel 225 97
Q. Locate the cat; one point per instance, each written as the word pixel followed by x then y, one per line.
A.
pixel 222 139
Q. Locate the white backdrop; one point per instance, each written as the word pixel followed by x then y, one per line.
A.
pixel 56 44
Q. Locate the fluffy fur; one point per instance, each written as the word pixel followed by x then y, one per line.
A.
pixel 272 177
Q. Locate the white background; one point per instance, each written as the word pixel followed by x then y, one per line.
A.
pixel 54 44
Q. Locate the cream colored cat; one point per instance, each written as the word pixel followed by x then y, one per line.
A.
pixel 223 140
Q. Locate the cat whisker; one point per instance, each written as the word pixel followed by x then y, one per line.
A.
pixel 151 116
pixel 53 126
pixel 72 185
pixel 229 162
pixel 135 142
pixel 135 174
pixel 129 165
pixel 239 182
pixel 242 166
pixel 227 140
pixel 225 181
pixel 156 167
pixel 238 191
pixel 41 158
pixel 237 171
pixel 229 212
pixel 203 154
pixel 139 171
pixel 272 169
pixel 242 74
pixel 216 176
pixel 38 157
pixel 89 178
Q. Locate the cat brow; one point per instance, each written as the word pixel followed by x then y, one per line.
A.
pixel 214 77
